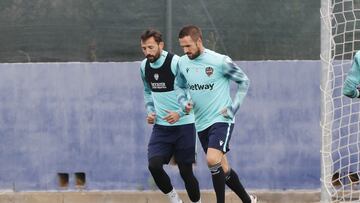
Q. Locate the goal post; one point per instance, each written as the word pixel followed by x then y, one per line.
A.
pixel 325 97
pixel 340 116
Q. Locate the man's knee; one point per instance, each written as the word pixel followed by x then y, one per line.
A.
pixel 214 156
pixel 156 164
pixel 212 160
pixel 186 170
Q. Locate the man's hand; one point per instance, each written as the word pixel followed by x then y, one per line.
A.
pixel 171 117
pixel 188 107
pixel 227 113
pixel 151 117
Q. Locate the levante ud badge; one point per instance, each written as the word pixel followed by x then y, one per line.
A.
pixel 209 71
pixel 156 76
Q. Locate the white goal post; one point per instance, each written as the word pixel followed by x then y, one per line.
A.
pixel 340 116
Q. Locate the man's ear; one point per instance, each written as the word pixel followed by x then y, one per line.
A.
pixel 161 45
pixel 199 42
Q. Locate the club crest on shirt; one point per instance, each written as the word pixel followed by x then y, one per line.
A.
pixel 156 76
pixel 209 71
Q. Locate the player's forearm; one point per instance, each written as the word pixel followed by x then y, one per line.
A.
pixel 352 81
pixel 240 95
pixel 149 103
pixel 181 96
pixel 350 89
pixel 234 73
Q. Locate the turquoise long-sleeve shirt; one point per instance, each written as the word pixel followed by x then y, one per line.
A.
pixel 159 102
pixel 207 79
pixel 352 80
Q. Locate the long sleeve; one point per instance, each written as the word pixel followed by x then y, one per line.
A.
pixel 234 73
pixel 149 103
pixel 353 79
pixel 181 89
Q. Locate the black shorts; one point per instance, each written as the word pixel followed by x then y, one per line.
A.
pixel 166 141
pixel 216 136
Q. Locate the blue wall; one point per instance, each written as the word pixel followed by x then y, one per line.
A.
pixel 89 117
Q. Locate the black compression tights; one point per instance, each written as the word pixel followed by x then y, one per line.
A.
pixel 162 180
pixel 191 183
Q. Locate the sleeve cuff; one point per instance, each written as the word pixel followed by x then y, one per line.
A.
pixel 230 112
pixel 357 93
pixel 183 103
pixel 181 113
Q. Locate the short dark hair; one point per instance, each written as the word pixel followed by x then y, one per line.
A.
pixel 191 30
pixel 152 33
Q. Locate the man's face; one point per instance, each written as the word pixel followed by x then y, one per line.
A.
pixel 190 48
pixel 151 49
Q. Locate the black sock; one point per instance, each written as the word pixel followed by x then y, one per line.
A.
pixel 191 183
pixel 161 178
pixel 233 182
pixel 218 179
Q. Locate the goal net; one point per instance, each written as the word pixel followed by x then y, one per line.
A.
pixel 340 116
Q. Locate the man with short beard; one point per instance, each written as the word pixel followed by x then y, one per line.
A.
pixel 206 75
pixel 171 136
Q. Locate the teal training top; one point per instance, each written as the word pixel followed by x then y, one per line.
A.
pixel 353 78
pixel 159 102
pixel 207 78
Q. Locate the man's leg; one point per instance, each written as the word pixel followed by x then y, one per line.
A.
pixel 191 183
pixel 233 182
pixel 185 157
pixel 161 178
pixel 214 157
pixel 160 149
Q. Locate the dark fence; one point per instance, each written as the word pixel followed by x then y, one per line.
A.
pixel 98 30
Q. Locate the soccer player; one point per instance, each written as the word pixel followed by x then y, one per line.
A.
pixel 351 85
pixel 168 138
pixel 206 75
